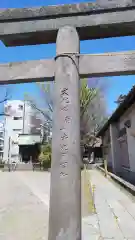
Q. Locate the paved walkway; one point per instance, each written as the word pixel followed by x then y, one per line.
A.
pixel 115 217
pixel 24 204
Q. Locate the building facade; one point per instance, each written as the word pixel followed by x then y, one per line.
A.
pixel 20 119
pixel 118 139
pixel 1 140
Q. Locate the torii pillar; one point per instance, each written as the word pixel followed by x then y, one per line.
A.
pixel 65 193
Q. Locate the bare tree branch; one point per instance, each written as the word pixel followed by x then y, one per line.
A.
pixel 4 98
pixel 92 106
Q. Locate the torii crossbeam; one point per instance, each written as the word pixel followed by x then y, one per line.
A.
pixel 101 19
pixel 91 65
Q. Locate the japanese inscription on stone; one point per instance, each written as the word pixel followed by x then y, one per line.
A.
pixel 64 107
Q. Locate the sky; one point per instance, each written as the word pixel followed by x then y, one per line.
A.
pixel 117 85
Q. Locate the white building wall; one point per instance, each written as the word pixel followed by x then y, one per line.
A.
pixel 18 122
pixel 130 115
pixel 1 140
pixel 127 173
pixel 107 150
pixel 27 122
pixel 13 126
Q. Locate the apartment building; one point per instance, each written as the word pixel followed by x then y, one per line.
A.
pixel 20 119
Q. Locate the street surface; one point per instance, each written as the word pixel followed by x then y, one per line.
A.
pixel 24 204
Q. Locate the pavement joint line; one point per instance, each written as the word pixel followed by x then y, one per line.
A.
pixel 116 218
pixel 128 212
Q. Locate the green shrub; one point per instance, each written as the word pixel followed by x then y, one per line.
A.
pixel 45 156
pixel 46 148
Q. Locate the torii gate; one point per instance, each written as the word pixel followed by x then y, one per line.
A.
pixel 69 24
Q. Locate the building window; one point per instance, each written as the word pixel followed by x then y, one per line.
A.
pixel 1 134
pixel 122 132
pixel 17 118
pixel 15 142
pixel 17 130
pixel 127 123
pixel 14 155
pixel 20 107
pixel 1 143
pixel 7 108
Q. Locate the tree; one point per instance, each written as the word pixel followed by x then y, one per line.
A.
pixel 86 97
pixel 46 110
pixel 92 108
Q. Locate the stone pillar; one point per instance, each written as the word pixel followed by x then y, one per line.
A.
pixel 65 193
pixel 115 148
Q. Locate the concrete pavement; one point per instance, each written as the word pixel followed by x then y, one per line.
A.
pixel 115 211
pixel 24 204
pixel 22 215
